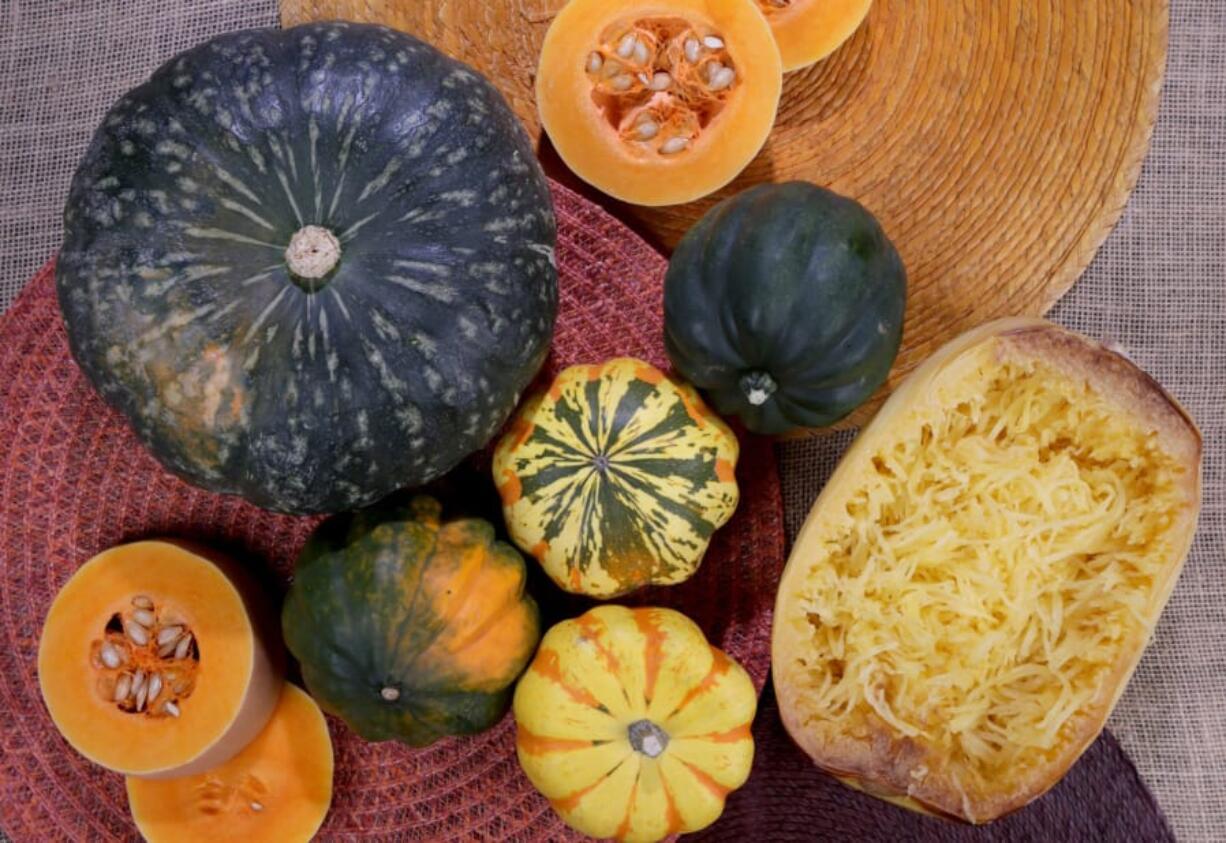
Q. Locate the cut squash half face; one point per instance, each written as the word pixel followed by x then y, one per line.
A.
pixel 658 103
pixel 977 581
pixel 809 30
pixel 277 790
pixel 155 660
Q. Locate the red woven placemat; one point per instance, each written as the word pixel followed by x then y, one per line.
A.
pixel 74 481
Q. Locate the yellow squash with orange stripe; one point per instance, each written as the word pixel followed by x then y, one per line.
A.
pixel 616 477
pixel 633 725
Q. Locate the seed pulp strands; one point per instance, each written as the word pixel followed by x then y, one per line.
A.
pixel 660 81
pixel 146 660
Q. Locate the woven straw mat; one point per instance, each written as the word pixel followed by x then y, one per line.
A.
pixel 1157 287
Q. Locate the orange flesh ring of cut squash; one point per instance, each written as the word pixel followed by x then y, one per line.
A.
pixel 658 103
pixel 277 789
pixel 809 30
pixel 181 625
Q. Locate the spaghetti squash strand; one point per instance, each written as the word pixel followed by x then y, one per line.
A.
pixel 977 593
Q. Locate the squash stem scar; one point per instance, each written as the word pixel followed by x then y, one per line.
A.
pixel 647 738
pixel 758 387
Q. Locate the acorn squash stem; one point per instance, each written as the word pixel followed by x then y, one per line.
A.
pixel 758 387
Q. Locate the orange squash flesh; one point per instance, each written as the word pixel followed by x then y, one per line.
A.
pixel 233 672
pixel 277 789
pixel 809 30
pixel 595 117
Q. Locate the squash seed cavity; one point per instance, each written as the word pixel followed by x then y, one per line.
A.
pixel 146 660
pixel 660 81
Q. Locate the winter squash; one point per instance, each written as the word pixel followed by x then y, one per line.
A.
pixel 632 725
pixel 277 790
pixel 661 102
pixel 809 30
pixel 310 266
pixel 158 659
pixel 785 305
pixel 974 586
pixel 616 477
pixel 408 627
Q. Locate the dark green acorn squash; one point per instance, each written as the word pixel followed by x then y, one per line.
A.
pixel 310 266
pixel 785 304
pixel 409 628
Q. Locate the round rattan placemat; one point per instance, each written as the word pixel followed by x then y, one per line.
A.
pixel 996 140
pixel 74 481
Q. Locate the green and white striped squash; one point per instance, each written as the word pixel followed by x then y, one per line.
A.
pixel 310 266
pixel 615 478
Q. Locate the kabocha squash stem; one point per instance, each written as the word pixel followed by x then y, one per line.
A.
pixel 633 725
pixel 310 266
pixel 976 583
pixel 159 659
pixel 658 103
pixel 313 252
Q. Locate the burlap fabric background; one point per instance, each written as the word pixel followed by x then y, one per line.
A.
pixel 1158 288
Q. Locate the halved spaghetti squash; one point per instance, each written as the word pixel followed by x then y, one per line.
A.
pixel 975 584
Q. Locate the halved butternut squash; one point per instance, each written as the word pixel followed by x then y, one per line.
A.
pixel 809 30
pixel 159 659
pixel 657 102
pixel 277 789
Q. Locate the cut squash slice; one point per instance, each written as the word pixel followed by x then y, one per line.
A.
pixel 658 102
pixel 975 585
pixel 809 30
pixel 159 659
pixel 277 790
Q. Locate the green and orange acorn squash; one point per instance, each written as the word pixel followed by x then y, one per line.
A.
pixel 310 266
pixel 408 627
pixel 615 477
pixel 785 305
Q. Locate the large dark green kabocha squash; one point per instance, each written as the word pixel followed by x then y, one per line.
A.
pixel 785 304
pixel 408 627
pixel 310 266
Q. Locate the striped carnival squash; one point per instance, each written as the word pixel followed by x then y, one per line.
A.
pixel 409 627
pixel 616 477
pixel 310 266
pixel 633 725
